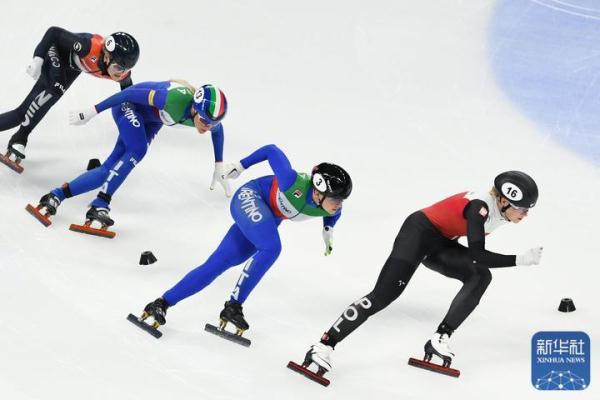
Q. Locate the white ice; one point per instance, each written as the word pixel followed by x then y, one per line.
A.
pixel 400 93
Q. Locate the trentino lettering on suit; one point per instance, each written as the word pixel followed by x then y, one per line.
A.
pixel 248 197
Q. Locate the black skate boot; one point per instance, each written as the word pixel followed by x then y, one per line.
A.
pixel 233 313
pixel 157 310
pixel 50 202
pixel 45 209
pixel 99 214
pixel 15 153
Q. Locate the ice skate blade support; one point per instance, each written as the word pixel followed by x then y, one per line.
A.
pixel 144 326
pixel 35 212
pixel 320 379
pixel 15 166
pixel 103 232
pixel 228 335
pixel 433 367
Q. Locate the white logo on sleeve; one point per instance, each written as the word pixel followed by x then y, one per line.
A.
pixel 319 182
pixel 483 212
pixel 77 47
pixel 512 191
pixel 109 43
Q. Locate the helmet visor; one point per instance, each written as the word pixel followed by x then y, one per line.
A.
pixel 118 67
pixel 520 210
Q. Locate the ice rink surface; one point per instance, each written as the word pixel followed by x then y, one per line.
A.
pixel 417 100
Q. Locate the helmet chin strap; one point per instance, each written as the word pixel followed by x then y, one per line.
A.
pixel 503 209
pixel 320 203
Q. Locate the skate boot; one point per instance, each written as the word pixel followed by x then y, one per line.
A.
pixel 15 153
pixel 45 209
pixel 98 215
pixel 439 346
pixel 157 310
pixel 320 354
pixel 233 313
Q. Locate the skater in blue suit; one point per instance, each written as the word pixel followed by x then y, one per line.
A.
pixel 140 111
pixel 257 208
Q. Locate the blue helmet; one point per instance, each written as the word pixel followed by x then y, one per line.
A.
pixel 210 103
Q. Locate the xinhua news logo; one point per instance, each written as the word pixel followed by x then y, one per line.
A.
pixel 560 360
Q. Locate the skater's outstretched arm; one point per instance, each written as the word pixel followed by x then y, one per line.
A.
pixel 147 93
pixel 59 39
pixel 218 140
pixel 286 176
pixel 137 95
pixel 476 237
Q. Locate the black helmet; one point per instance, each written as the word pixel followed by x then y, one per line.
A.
pixel 518 188
pixel 123 49
pixel 331 180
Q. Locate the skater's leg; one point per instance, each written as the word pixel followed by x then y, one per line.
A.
pixel 13 118
pixel 392 281
pixel 92 179
pixel 259 226
pixel 55 79
pixel 233 250
pixel 132 133
pixel 455 262
pixel 412 244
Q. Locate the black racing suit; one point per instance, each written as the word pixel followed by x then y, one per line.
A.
pixel 419 241
pixel 58 48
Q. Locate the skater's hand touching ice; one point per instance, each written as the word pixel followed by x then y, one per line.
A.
pixel 219 176
pixel 80 117
pixel 232 170
pixel 34 69
pixel 328 239
pixel 530 257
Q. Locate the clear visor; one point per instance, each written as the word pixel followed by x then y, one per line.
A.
pixel 520 210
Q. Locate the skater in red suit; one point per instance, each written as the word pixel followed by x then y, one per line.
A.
pixel 430 236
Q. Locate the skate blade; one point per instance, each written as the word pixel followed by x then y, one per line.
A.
pixel 14 165
pixel 228 335
pixel 35 212
pixel 433 367
pixel 320 379
pixel 144 326
pixel 102 232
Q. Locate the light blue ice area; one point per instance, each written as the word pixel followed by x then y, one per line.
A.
pixel 546 56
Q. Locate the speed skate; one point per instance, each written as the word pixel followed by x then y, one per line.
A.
pixel 426 363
